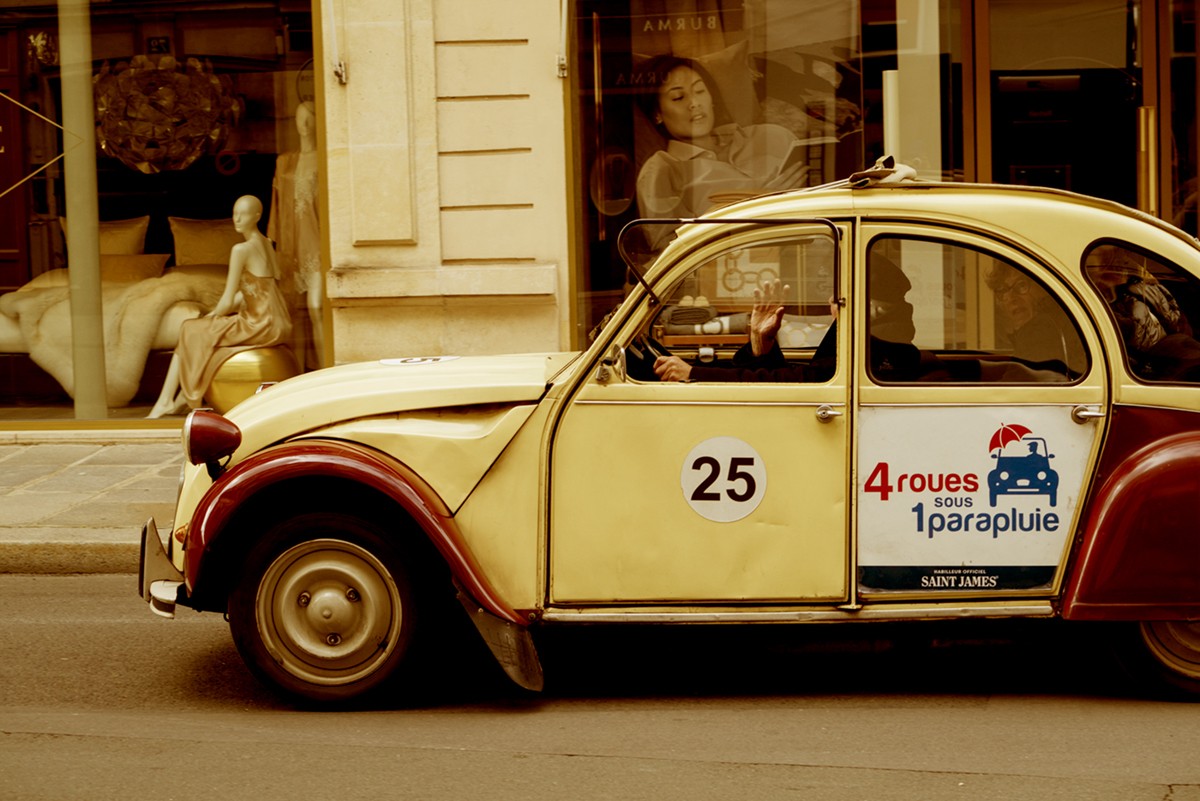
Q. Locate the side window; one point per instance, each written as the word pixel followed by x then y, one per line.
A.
pixel 1156 307
pixel 706 316
pixel 945 312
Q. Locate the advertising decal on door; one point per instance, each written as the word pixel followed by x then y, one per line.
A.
pixel 966 498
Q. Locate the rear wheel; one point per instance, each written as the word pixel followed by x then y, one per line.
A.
pixel 324 609
pixel 1166 655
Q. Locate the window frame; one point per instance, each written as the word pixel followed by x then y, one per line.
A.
pixel 1055 288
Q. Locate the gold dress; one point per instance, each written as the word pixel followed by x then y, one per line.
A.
pixel 206 342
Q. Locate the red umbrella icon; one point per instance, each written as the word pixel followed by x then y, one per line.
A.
pixel 1007 434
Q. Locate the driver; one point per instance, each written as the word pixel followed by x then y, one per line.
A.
pixel 891 352
pixel 760 359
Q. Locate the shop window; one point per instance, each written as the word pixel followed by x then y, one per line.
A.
pixel 195 107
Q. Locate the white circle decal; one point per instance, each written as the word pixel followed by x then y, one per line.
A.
pixel 723 479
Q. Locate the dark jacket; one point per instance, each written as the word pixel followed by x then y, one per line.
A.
pixel 890 361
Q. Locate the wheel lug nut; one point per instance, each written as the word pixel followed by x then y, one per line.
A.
pixel 351 594
pixel 333 638
pixel 304 600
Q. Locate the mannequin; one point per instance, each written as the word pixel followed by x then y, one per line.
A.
pixel 251 313
pixel 294 225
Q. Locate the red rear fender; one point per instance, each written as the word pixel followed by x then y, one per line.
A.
pixel 1139 557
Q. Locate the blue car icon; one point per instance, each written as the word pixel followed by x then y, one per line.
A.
pixel 1028 473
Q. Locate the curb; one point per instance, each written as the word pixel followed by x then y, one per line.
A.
pixel 92 436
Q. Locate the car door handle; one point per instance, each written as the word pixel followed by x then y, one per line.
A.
pixel 825 413
pixel 1083 414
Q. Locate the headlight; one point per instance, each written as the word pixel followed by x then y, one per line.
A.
pixel 209 438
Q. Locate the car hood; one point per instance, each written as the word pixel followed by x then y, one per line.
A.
pixel 390 386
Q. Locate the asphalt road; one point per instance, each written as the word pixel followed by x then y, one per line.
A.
pixel 101 700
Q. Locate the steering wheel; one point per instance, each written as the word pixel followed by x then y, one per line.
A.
pixel 640 356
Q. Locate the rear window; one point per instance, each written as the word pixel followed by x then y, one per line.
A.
pixel 1155 306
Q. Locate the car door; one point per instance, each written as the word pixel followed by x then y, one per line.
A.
pixel 976 421
pixel 715 490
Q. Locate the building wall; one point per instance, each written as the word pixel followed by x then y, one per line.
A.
pixel 446 177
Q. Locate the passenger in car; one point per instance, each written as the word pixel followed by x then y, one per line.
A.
pixel 891 354
pixel 1037 328
pixel 1158 336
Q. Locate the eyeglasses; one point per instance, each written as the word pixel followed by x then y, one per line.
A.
pixel 1016 288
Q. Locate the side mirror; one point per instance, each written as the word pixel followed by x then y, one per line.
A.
pixel 612 365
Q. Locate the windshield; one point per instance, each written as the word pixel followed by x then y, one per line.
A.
pixel 634 243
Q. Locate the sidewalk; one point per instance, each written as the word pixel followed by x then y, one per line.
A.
pixel 75 501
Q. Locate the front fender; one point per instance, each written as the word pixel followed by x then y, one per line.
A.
pixel 348 462
pixel 1139 556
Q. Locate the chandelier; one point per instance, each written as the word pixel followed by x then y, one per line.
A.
pixel 154 116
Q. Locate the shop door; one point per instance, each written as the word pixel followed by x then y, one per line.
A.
pixel 1070 89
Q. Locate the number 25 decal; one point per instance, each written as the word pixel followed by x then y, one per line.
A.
pixel 723 479
pixel 738 466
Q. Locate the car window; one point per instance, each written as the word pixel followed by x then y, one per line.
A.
pixel 1155 305
pixel 942 311
pixel 706 315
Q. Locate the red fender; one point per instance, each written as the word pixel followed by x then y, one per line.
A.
pixel 1139 555
pixel 345 460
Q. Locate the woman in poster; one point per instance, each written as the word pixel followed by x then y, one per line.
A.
pixel 706 155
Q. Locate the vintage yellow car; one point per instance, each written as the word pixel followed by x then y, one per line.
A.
pixel 971 401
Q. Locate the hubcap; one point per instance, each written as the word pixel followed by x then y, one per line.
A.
pixel 329 612
pixel 1175 644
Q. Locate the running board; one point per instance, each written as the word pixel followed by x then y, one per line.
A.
pixel 872 613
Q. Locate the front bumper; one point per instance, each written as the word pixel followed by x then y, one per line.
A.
pixel 160 583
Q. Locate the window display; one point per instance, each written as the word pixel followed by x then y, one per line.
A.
pixel 194 108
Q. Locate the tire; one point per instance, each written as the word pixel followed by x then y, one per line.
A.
pixel 324 609
pixel 1164 656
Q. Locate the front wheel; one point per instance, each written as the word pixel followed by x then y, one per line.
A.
pixel 324 609
pixel 1165 654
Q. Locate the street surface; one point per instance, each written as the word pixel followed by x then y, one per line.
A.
pixel 99 699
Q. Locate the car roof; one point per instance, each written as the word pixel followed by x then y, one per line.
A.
pixel 1052 222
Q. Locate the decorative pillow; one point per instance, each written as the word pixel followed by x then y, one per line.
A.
pixel 203 241
pixel 116 268
pixel 120 237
